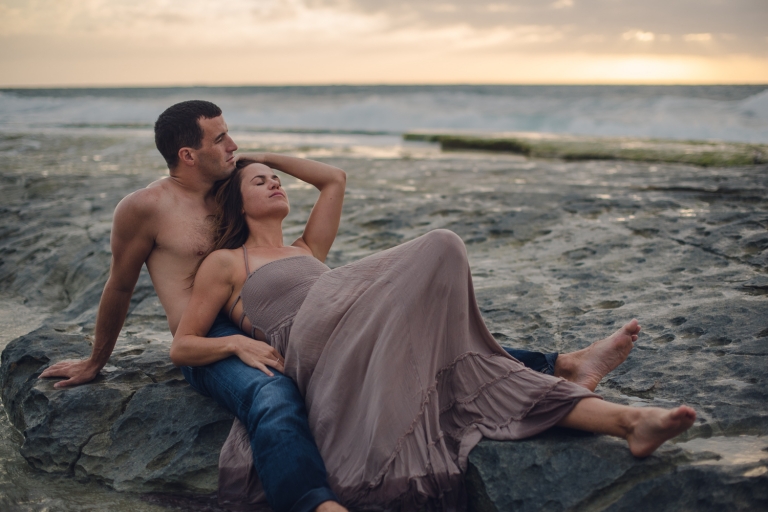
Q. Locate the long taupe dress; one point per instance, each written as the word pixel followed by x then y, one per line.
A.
pixel 400 375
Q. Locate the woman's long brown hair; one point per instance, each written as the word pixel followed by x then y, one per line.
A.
pixel 230 230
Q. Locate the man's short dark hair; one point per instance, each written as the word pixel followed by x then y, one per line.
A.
pixel 178 127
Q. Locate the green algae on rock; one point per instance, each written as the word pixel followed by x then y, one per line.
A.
pixel 569 147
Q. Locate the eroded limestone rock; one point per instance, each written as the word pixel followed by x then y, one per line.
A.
pixel 137 427
pixel 561 254
pixel 565 470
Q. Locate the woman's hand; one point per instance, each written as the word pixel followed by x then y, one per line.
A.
pixel 258 354
pixel 323 222
pixel 259 158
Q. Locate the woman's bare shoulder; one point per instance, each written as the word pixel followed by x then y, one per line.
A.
pixel 222 262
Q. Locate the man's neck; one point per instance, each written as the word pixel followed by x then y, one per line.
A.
pixel 191 182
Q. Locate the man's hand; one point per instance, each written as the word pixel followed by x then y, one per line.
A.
pixel 258 354
pixel 76 372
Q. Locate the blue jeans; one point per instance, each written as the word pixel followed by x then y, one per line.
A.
pixel 285 455
pixel 536 361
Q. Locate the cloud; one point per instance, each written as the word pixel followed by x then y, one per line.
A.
pixel 500 8
pixel 699 38
pixel 638 35
pixel 576 19
pixel 580 25
pixel 336 35
pixel 562 4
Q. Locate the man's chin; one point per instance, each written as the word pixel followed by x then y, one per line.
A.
pixel 229 169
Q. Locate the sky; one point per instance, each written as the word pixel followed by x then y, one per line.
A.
pixel 48 43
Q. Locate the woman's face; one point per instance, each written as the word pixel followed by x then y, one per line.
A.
pixel 263 195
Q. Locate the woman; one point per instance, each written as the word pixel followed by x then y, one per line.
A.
pixel 400 375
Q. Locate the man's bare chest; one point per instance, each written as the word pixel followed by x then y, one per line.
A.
pixel 186 235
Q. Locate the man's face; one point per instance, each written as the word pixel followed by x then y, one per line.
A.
pixel 216 156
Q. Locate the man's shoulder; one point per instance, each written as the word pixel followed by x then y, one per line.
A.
pixel 144 202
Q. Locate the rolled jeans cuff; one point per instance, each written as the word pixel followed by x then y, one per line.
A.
pixel 551 361
pixel 536 361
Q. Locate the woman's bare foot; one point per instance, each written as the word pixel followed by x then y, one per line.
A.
pixel 330 506
pixel 588 366
pixel 653 426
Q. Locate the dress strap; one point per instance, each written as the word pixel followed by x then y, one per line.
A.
pixel 235 304
pixel 239 295
pixel 247 266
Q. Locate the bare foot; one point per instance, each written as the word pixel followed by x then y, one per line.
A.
pixel 330 506
pixel 588 366
pixel 654 426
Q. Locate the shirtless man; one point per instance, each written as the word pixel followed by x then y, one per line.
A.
pixel 166 227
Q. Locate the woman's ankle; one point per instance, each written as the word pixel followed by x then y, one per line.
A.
pixel 628 421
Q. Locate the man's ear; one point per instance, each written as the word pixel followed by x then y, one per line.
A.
pixel 186 156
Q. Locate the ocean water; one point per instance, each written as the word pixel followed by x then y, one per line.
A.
pixel 348 116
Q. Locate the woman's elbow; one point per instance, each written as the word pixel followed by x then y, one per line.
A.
pixel 340 177
pixel 341 182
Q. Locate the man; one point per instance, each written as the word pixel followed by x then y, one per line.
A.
pixel 167 227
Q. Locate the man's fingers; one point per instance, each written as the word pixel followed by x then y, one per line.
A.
pixel 66 383
pixel 68 368
pixel 57 370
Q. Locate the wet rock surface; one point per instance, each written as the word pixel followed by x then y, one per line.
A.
pixel 562 254
pixel 562 470
pixel 138 426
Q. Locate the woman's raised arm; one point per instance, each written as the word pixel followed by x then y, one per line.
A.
pixel 323 223
pixel 214 284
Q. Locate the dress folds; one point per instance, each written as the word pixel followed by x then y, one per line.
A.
pixel 402 378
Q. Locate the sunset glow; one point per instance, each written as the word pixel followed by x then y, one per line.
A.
pixel 145 42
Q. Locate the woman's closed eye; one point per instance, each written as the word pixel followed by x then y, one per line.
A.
pixel 260 180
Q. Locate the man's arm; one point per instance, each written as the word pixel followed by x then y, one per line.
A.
pixel 132 239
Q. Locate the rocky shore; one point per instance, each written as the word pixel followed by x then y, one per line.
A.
pixel 562 253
